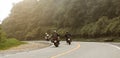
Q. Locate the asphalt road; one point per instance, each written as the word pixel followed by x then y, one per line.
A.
pixel 76 50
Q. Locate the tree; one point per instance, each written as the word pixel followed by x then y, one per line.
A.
pixel 32 18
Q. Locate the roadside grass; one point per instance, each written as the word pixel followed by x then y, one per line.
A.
pixel 107 39
pixel 8 43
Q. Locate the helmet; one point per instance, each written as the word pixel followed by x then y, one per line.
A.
pixel 67 32
pixel 55 31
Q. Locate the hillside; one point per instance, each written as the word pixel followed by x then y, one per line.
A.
pixel 30 19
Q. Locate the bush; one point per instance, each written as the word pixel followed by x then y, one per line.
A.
pixel 102 28
pixel 8 43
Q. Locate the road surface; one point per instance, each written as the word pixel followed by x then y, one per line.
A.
pixel 76 50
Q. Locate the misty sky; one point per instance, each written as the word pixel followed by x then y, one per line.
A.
pixel 5 8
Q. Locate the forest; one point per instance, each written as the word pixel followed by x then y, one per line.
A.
pixel 31 19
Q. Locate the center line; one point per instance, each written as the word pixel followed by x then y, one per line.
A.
pixel 61 54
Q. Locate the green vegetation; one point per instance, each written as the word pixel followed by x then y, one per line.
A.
pixel 6 43
pixel 30 19
pixel 102 39
pixel 102 28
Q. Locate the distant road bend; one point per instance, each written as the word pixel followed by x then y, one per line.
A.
pixel 76 50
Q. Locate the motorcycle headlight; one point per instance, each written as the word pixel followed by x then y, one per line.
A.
pixel 55 41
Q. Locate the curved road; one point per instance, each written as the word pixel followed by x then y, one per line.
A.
pixel 76 50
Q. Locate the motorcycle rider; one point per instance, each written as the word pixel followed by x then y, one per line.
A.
pixel 68 36
pixel 55 36
pixel 47 36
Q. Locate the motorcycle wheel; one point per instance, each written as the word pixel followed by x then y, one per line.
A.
pixel 56 45
pixel 69 43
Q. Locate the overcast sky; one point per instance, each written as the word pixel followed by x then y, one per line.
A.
pixel 5 8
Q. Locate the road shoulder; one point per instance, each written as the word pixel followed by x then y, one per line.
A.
pixel 31 45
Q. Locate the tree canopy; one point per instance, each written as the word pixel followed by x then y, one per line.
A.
pixel 30 19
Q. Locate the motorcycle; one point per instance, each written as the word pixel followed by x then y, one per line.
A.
pixel 69 41
pixel 47 38
pixel 56 43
